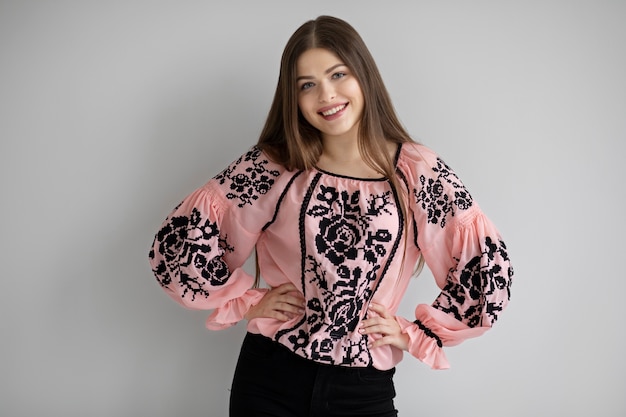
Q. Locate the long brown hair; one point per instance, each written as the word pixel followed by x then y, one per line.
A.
pixel 288 139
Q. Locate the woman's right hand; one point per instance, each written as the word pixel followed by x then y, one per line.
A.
pixel 281 303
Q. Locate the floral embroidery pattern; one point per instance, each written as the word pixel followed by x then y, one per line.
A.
pixel 432 197
pixel 188 241
pixel 248 177
pixel 348 237
pixel 340 272
pixel 342 231
pixel 474 294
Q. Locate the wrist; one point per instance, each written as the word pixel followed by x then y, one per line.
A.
pixel 250 314
pixel 404 341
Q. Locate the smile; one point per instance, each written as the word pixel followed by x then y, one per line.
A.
pixel 334 110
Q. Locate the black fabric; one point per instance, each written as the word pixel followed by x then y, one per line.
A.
pixel 272 381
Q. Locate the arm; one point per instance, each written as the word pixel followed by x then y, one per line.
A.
pixel 474 273
pixel 198 254
pixel 466 256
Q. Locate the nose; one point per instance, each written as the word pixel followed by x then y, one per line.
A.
pixel 326 93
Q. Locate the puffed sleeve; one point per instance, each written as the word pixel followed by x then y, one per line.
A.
pixel 198 253
pixel 465 253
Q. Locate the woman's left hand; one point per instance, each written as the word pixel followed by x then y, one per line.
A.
pixel 386 325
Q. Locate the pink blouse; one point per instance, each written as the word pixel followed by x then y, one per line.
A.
pixel 342 242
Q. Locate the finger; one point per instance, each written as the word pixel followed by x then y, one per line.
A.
pixel 293 298
pixel 279 315
pixel 285 288
pixel 380 309
pixel 277 311
pixel 373 321
pixel 380 329
pixel 289 299
pixel 289 294
pixel 380 326
pixel 289 308
pixel 383 341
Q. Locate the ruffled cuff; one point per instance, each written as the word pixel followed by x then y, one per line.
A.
pixel 431 331
pixel 423 344
pixel 449 330
pixel 234 310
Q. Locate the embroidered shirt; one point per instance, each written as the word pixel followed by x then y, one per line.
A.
pixel 342 242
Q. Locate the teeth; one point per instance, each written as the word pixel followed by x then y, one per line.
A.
pixel 334 110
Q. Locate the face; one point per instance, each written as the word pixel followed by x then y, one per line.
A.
pixel 329 96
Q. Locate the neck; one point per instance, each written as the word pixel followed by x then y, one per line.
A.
pixel 341 149
pixel 343 157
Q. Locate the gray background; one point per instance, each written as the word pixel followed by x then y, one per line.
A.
pixel 112 111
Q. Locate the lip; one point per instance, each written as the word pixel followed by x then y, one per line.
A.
pixel 335 115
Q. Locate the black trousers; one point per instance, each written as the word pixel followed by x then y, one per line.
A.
pixel 272 381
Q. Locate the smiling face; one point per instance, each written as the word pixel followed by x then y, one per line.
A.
pixel 329 95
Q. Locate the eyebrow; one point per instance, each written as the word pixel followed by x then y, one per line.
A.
pixel 329 70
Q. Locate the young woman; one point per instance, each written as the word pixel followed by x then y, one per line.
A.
pixel 342 208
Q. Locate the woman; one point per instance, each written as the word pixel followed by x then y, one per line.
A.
pixel 342 208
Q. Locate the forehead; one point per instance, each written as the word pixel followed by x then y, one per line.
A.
pixel 316 60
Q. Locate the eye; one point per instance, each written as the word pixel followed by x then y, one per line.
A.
pixel 306 86
pixel 338 75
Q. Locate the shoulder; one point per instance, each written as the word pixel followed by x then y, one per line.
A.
pixel 417 160
pixel 253 163
pixel 433 185
pixel 249 177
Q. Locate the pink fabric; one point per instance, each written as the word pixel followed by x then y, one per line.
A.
pixel 198 254
pixel 234 310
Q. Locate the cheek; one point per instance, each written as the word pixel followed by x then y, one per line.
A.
pixel 355 91
pixel 357 98
pixel 305 108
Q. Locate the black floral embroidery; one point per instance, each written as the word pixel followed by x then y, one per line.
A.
pixel 433 198
pixel 342 286
pixel 342 225
pixel 321 350
pixel 193 286
pixel 255 179
pixel 355 353
pixel 299 340
pixel 223 243
pixel 339 232
pixel 345 308
pixel 160 272
pixel 477 294
pixel 190 241
pixel 344 299
pixel 316 316
pixel 337 239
